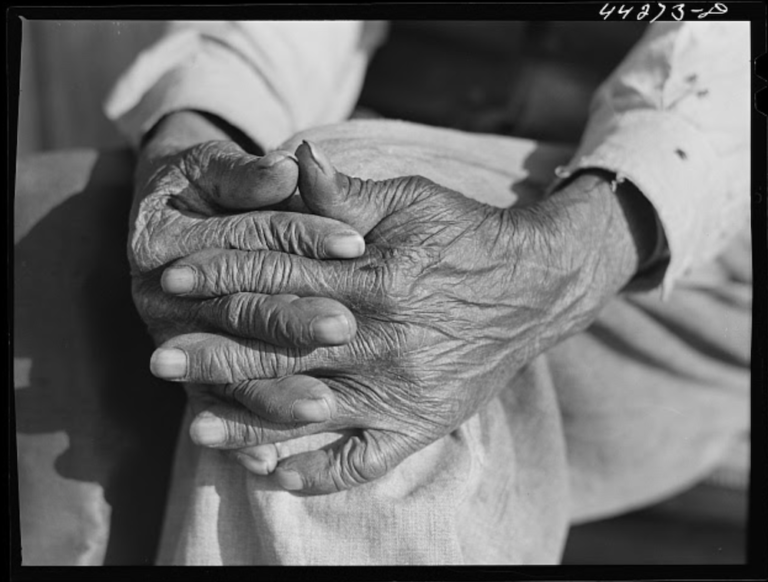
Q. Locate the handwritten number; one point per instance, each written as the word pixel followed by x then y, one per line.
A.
pixel 663 8
pixel 605 14
pixel 678 11
pixel 625 12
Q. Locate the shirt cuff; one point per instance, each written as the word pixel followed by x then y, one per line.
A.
pixel 167 78
pixel 669 161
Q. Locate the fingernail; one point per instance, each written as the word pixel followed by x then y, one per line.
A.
pixel 169 364
pixel 320 159
pixel 332 330
pixel 274 158
pixel 258 466
pixel 178 280
pixel 289 480
pixel 311 410
pixel 345 246
pixel 208 431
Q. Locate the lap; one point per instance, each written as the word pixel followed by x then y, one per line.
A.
pixel 597 413
pixel 655 391
pixel 646 369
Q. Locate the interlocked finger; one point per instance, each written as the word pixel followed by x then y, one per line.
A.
pixel 292 399
pixel 227 427
pixel 221 359
pixel 281 320
pixel 217 272
pixel 168 234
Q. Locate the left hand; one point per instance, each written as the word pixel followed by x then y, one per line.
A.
pixel 451 298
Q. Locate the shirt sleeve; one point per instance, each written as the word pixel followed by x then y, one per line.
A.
pixel 674 119
pixel 268 79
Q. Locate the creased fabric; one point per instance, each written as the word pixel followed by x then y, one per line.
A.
pixel 637 408
pixel 674 118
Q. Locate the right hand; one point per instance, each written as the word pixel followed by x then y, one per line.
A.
pixel 453 298
pixel 184 203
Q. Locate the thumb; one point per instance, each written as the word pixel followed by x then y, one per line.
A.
pixel 360 203
pixel 238 181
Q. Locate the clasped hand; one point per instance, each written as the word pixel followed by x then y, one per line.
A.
pixel 278 336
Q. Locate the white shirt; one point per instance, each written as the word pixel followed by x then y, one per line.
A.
pixel 673 118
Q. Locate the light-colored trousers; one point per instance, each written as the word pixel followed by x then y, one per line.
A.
pixel 638 407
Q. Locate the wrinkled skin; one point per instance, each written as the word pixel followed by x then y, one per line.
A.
pixel 451 299
pixel 185 202
pixel 202 197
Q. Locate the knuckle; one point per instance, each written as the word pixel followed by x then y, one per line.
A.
pixel 221 273
pixel 239 314
pixel 274 322
pixel 247 232
pixel 277 362
pixel 232 431
pixel 201 155
pixel 239 429
pixel 413 187
pixel 212 365
pixel 363 188
pixel 197 235
pixel 284 233
pixel 359 463
pixel 249 430
pixel 216 274
pixel 267 362
pixel 252 429
pixel 385 279
pixel 150 247
pixel 273 273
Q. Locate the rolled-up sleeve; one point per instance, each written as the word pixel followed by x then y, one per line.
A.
pixel 269 79
pixel 674 119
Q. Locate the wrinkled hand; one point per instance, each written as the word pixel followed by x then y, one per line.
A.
pixel 451 298
pixel 184 204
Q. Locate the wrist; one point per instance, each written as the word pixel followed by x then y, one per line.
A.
pixel 179 131
pixel 591 236
pixel 638 218
pixel 611 221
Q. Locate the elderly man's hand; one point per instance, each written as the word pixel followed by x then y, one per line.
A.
pixel 451 298
pixel 184 202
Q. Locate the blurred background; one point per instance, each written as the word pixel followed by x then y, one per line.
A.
pixel 68 69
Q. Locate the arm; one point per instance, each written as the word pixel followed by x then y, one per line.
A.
pixel 194 166
pixel 248 84
pixel 569 255
pixel 673 119
pixel 453 299
pixel 268 79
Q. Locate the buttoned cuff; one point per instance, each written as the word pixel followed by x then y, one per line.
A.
pixel 670 162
